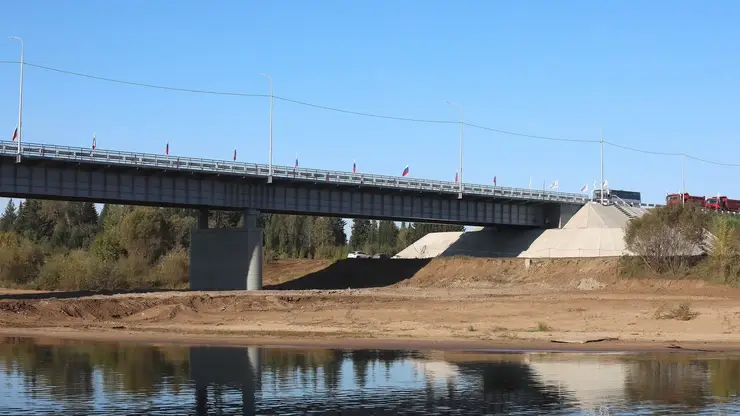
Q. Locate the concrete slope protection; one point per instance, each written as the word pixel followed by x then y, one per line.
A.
pixel 594 231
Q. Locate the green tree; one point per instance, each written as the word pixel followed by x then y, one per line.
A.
pixel 362 231
pixel 181 226
pixel 338 225
pixel 7 222
pixel 32 223
pixel 145 232
pixel 403 239
pixel 387 236
pixel 75 224
pixel 112 215
pixel 107 245
pixel 224 219
pixel 323 233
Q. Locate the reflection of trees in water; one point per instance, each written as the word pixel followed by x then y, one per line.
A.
pixel 284 363
pixel 499 387
pixel 66 368
pixel 675 379
pixel 724 378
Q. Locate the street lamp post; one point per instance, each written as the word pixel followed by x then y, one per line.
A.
pixel 601 187
pixel 20 105
pixel 683 178
pixel 269 177
pixel 462 123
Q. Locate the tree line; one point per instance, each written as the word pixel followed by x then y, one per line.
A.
pixel 69 245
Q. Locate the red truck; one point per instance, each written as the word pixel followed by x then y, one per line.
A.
pixel 722 203
pixel 677 199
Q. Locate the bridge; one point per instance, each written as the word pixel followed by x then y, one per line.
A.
pixel 47 171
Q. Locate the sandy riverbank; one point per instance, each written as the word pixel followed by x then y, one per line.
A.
pixel 456 303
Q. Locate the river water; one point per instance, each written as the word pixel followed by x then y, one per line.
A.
pixel 86 378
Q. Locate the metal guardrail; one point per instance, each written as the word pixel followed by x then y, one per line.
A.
pixel 642 204
pixel 624 207
pixel 115 157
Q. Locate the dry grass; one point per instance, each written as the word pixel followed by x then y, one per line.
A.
pixel 680 312
pixel 543 327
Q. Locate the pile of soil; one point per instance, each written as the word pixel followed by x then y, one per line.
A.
pixel 444 272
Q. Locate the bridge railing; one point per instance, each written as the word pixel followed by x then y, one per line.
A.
pixel 116 157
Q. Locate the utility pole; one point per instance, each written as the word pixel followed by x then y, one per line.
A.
pixel 269 177
pixel 20 106
pixel 683 178
pixel 462 123
pixel 601 193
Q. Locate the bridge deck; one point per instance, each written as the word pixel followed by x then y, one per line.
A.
pixel 219 167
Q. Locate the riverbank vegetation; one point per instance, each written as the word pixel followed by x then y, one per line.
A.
pixel 685 241
pixel 70 246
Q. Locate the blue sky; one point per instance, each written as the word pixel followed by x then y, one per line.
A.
pixel 654 75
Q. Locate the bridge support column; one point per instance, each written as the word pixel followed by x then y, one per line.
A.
pixel 254 247
pixel 203 219
pixel 226 258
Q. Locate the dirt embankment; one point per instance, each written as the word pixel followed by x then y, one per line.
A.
pixel 482 302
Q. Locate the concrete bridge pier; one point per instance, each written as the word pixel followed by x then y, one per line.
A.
pixel 226 258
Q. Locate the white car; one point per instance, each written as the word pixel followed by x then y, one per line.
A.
pixel 357 255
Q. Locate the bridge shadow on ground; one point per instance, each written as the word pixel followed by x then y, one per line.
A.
pixel 356 274
pixel 79 294
pixel 493 243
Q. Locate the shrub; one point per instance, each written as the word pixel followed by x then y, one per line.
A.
pixel 725 255
pixel 667 238
pixel 76 270
pixel 172 269
pixel 129 272
pixel 107 246
pixel 330 253
pixel 681 312
pixel 20 260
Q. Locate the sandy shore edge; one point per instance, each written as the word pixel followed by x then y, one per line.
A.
pixel 245 340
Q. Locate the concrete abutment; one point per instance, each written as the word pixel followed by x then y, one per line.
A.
pixel 226 258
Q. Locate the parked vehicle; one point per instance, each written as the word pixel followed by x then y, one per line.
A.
pixel 381 256
pixel 722 203
pixel 677 199
pixel 357 255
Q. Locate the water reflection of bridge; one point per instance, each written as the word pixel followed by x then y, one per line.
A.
pixel 318 382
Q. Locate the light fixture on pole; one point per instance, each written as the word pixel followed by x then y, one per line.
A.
pixel 20 106
pixel 462 123
pixel 269 177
